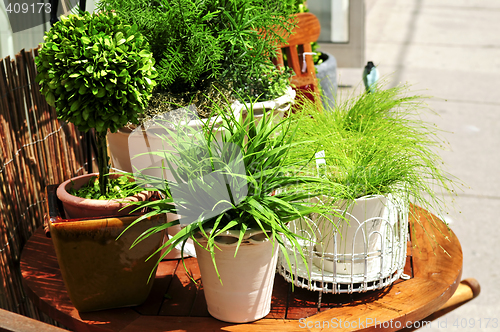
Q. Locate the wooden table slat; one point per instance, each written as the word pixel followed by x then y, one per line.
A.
pixel 182 292
pixel 160 287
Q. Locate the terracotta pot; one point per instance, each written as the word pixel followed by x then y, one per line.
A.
pixel 99 270
pixel 247 279
pixel 77 207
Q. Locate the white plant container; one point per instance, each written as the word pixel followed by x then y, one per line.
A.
pixel 279 106
pixel 344 244
pixel 368 253
pixel 122 147
pixel 130 147
pixel 247 280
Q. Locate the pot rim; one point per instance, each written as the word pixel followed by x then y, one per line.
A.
pixel 231 237
pixel 236 108
pixel 63 192
pixel 275 104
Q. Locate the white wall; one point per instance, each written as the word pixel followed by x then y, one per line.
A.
pixel 12 43
pixel 6 39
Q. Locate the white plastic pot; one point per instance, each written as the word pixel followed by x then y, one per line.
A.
pixel 279 106
pixel 127 144
pixel 352 243
pixel 247 280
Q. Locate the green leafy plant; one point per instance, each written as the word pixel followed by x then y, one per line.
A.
pixel 376 144
pixel 98 72
pixel 198 43
pixel 235 183
pixel 120 187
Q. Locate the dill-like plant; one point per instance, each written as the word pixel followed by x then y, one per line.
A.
pixel 197 43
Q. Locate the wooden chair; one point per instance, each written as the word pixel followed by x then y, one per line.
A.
pixel 299 54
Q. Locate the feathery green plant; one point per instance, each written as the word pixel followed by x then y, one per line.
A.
pixel 197 43
pixel 376 144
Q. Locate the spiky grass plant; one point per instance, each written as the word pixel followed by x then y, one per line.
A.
pixel 376 144
pixel 241 176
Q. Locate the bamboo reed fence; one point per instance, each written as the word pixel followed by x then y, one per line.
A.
pixel 36 149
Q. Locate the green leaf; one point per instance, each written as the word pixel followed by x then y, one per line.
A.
pixel 79 23
pixel 144 53
pixel 83 89
pixel 99 125
pixel 107 42
pixel 75 105
pixel 119 36
pixel 123 73
pixel 51 100
pixel 101 93
pixel 85 114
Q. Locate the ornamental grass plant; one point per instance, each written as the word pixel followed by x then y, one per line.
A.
pixel 376 144
pixel 232 178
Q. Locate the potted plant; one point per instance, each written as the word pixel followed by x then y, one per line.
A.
pixel 199 44
pixel 99 271
pixel 378 154
pixel 230 199
pixel 207 52
pixel 97 71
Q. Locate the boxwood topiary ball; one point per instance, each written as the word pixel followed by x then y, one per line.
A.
pixel 96 70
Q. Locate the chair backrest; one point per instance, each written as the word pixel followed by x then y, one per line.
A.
pixel 299 54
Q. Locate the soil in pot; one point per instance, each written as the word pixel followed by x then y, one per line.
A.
pixel 77 207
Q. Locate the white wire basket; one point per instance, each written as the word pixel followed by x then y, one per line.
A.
pixel 348 257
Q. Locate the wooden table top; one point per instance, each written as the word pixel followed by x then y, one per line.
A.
pixel 177 304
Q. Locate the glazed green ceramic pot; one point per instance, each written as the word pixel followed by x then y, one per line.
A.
pixel 99 270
